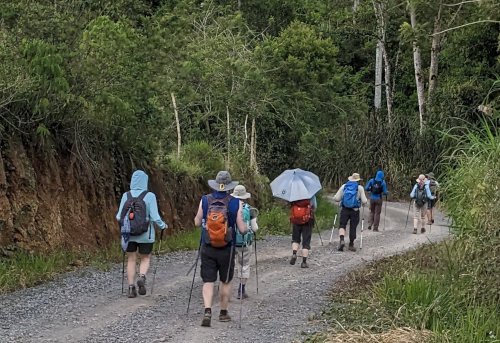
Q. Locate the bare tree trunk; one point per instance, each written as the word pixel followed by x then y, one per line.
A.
pixel 355 6
pixel 378 57
pixel 419 78
pixel 253 146
pixel 246 134
pixel 178 126
pixel 436 47
pixel 388 89
pixel 228 161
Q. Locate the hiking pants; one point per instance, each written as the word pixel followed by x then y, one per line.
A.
pixel 419 213
pixel 351 215
pixel 243 272
pixel 375 210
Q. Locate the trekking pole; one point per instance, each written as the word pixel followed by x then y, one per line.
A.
pixel 319 233
pixel 333 228
pixel 256 269
pixel 385 210
pixel 430 226
pixel 241 286
pixel 362 227
pixel 157 261
pixel 409 206
pixel 123 270
pixel 194 274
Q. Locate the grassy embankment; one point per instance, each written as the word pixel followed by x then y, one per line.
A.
pixel 446 292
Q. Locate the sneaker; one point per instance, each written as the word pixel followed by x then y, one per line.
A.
pixel 245 295
pixel 432 221
pixel 429 223
pixel 415 231
pixel 370 227
pixel 224 318
pixel 131 291
pixel 422 230
pixel 304 265
pixel 351 247
pixel 375 229
pixel 293 259
pixel 207 320
pixel 141 283
pixel 341 245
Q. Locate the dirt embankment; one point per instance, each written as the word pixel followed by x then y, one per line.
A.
pixel 52 202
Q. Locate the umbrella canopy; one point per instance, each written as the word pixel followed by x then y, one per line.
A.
pixel 295 184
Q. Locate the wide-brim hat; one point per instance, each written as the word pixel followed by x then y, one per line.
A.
pixel 222 182
pixel 240 192
pixel 421 177
pixel 430 175
pixel 354 177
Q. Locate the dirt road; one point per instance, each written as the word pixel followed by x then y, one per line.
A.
pixel 87 306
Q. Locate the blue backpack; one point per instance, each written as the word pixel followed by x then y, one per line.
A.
pixel 247 239
pixel 349 199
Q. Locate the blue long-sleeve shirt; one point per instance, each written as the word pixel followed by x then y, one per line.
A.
pixel 427 192
pixel 378 177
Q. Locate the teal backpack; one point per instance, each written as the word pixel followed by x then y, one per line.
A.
pixel 247 239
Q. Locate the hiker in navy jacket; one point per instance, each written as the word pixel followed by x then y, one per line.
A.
pixel 377 187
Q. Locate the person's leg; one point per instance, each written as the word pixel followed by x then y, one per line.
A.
pixel 131 263
pixel 344 217
pixel 416 214
pixel 208 272
pixel 225 261
pixel 377 209
pixel 371 217
pixel 306 242
pixel 353 224
pixel 429 217
pixel 423 211
pixel 144 264
pixel 296 233
pixel 208 294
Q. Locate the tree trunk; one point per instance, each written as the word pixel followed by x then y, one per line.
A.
pixel 228 161
pixel 253 146
pixel 419 78
pixel 388 89
pixel 436 47
pixel 246 134
pixel 178 126
pixel 378 56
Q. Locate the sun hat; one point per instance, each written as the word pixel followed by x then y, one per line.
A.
pixel 354 177
pixel 240 192
pixel 222 182
pixel 430 175
pixel 421 178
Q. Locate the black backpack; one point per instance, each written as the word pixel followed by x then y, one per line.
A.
pixel 420 196
pixel 139 222
pixel 376 187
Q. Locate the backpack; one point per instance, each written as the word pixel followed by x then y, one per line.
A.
pixel 350 197
pixel 376 187
pixel 217 232
pixel 420 196
pixel 432 187
pixel 247 239
pixel 301 212
pixel 134 210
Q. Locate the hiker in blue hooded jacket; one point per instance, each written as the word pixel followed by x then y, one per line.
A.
pixel 377 187
pixel 144 242
pixel 351 195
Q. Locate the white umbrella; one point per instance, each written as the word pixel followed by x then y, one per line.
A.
pixel 295 184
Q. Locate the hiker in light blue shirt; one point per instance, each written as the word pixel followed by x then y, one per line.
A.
pixel 433 185
pixel 419 206
pixel 143 242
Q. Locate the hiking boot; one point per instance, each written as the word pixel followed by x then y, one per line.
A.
pixel 304 265
pixel 351 247
pixel 341 245
pixel 207 319
pixel 141 283
pixel 422 230
pixel 429 223
pixel 293 259
pixel 245 295
pixel 432 221
pixel 131 291
pixel 375 229
pixel 415 231
pixel 224 317
pixel 370 227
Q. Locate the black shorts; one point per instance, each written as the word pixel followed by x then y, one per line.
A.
pixel 304 230
pixel 144 248
pixel 217 261
pixel 430 204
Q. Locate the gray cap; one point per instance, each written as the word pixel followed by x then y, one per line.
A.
pixel 222 182
pixel 430 175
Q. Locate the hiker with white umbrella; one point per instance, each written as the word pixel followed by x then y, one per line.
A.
pixel 299 187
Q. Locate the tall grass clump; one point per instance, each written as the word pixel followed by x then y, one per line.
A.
pixel 197 160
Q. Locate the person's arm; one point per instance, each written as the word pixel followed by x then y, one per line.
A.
pixel 412 194
pixel 240 223
pixel 154 216
pixel 253 224
pixel 362 196
pixel 384 188
pixel 199 215
pixel 428 192
pixel 340 193
pixel 368 185
pixel 314 203
pixel 122 203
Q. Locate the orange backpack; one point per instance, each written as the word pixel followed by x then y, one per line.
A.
pixel 301 211
pixel 217 231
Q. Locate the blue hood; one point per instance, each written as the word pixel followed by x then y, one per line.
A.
pixel 139 180
pixel 379 176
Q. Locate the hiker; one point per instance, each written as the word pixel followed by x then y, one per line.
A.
pixel 421 193
pixel 433 187
pixel 302 219
pixel 142 242
pixel 218 214
pixel 351 195
pixel 377 187
pixel 244 242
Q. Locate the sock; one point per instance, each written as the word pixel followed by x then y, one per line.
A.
pixel 304 259
pixel 223 312
pixel 341 237
pixel 208 310
pixel 295 252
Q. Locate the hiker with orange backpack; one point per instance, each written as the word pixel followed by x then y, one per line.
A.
pixel 219 214
pixel 302 219
pixel 351 195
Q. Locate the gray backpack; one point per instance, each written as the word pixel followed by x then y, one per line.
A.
pixel 135 208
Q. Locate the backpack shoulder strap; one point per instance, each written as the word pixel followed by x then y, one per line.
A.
pixel 129 196
pixel 142 195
